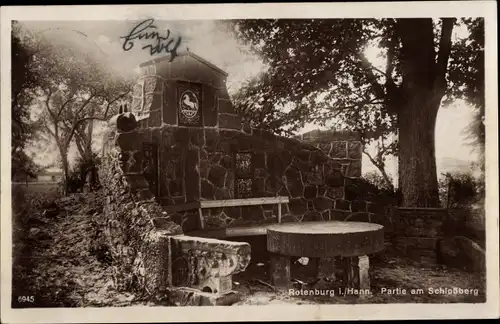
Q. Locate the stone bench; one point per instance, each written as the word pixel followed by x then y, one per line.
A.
pixel 244 230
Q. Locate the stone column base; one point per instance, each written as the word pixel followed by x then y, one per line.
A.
pixel 280 271
pixel 193 297
pixel 357 272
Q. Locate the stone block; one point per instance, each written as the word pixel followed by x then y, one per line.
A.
pixel 175 187
pixel 226 161
pixel 211 139
pixel 338 150
pixel 217 175
pixel 354 150
pixel 154 119
pixel 280 271
pixel 181 136
pixel 323 203
pixel 294 182
pixel 339 215
pixel 192 176
pixel 204 168
pixel 210 107
pixel 169 105
pixel 129 141
pixel 326 215
pixel 225 106
pixel 298 206
pixel 223 93
pixel 318 158
pixel 310 192
pixel 358 206
pixel 334 179
pixel 222 193
pixel 229 121
pixel 342 204
pixel 207 189
pixel 246 143
pixel 196 136
pixel 335 192
pixel 312 216
pixel 212 259
pixel 354 170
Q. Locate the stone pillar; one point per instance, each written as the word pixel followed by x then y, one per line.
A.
pixel 280 271
pixel 356 272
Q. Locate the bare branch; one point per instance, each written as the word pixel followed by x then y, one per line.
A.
pixel 77 123
pixel 113 101
pixel 380 165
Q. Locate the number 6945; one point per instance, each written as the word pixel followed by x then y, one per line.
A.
pixel 26 299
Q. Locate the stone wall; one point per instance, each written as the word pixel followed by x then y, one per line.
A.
pixel 196 164
pixel 418 230
pixel 137 229
pixel 343 147
pixel 207 153
pixel 149 253
pixel 429 233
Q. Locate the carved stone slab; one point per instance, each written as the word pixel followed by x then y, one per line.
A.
pixel 207 264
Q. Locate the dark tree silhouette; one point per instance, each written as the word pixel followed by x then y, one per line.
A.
pixel 319 68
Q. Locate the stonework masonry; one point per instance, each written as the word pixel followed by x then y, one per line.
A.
pixel 183 142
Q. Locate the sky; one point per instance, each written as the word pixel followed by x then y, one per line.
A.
pixel 203 37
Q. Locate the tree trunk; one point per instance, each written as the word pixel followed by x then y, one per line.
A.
pixel 65 165
pixel 422 90
pixel 417 160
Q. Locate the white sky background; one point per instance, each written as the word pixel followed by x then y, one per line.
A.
pixel 203 38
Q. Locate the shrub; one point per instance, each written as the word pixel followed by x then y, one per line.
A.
pixel 84 173
pixel 372 191
pixel 460 189
pixel 376 179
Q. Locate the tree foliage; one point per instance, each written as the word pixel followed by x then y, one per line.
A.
pixel 319 69
pixel 25 79
pixel 73 89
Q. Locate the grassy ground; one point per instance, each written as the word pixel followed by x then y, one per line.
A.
pixel 60 262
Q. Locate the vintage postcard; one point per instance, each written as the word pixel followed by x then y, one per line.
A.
pixel 249 162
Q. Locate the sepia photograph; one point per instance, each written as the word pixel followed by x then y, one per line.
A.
pixel 155 159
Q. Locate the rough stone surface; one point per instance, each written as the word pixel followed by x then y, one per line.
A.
pixel 462 253
pixel 138 244
pixel 325 239
pixel 207 264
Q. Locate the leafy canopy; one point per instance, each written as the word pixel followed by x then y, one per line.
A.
pixel 318 69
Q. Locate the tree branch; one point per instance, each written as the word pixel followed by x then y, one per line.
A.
pixel 77 123
pixel 381 167
pixel 113 101
pixel 443 54
pixel 368 67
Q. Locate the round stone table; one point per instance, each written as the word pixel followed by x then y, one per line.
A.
pixel 353 241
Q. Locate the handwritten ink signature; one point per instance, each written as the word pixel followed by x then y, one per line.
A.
pixel 146 30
